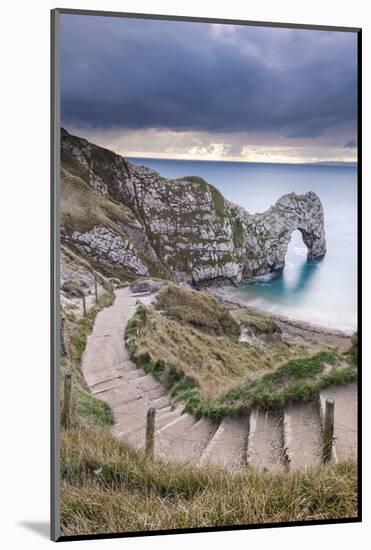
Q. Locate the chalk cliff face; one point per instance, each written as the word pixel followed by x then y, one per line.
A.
pixel 131 221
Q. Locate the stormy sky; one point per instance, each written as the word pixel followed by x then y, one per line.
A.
pixel 209 91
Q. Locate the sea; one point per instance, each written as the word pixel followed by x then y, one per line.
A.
pixel 322 292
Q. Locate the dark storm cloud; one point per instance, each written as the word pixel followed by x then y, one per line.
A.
pixel 352 143
pixel 138 74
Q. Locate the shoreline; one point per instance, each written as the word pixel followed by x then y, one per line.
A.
pixel 293 330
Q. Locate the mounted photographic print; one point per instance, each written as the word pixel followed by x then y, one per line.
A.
pixel 206 214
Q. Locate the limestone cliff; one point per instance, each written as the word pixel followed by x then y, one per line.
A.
pixel 132 222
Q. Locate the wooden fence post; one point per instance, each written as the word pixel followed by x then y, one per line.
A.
pixel 150 433
pixel 83 303
pixel 96 289
pixel 62 342
pixel 66 411
pixel 328 430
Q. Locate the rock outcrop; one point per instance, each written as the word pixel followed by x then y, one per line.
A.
pixel 179 229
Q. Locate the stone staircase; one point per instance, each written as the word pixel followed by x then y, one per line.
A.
pixel 291 440
pixel 266 441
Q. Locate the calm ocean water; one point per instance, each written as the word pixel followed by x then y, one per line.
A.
pixel 322 292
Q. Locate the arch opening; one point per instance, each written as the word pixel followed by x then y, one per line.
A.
pixel 295 258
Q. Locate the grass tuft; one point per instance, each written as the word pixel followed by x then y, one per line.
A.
pixel 197 309
pixel 95 410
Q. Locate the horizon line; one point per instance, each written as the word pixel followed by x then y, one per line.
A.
pixel 331 163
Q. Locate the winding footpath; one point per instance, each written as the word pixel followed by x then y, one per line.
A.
pixel 267 441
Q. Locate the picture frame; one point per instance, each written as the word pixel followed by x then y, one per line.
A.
pixel 56 331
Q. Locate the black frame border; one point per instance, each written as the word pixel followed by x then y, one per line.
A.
pixel 55 256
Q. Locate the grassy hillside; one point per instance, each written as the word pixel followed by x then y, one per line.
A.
pixel 190 343
pixel 82 207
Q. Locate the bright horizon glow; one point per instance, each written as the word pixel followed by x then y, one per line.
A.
pixel 266 157
pixel 203 146
pixel 324 162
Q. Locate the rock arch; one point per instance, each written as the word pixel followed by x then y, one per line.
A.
pixel 273 229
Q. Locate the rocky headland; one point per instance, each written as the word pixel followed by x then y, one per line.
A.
pixel 129 221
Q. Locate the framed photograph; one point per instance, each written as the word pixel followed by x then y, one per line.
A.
pixel 206 192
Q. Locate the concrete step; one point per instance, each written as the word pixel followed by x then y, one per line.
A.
pixel 161 402
pixel 171 440
pixel 137 437
pixel 164 410
pixel 132 414
pixel 133 374
pixel 228 446
pixel 345 419
pixel 128 365
pixel 302 434
pixel 265 443
pixel 156 393
pixel 146 383
pixel 114 379
pixel 135 434
pixel 104 351
pixel 129 417
pixel 92 378
pixel 145 387
pixel 162 420
pixel 197 439
pixel 119 394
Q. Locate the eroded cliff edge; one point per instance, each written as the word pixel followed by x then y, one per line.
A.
pixel 130 221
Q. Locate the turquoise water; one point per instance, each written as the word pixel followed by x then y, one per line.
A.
pixel 322 292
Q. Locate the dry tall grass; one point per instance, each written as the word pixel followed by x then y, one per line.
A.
pixel 108 487
pixel 82 207
pixel 199 337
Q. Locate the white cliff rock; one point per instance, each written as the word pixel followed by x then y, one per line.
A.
pixel 109 249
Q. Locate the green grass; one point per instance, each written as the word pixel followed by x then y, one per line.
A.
pixel 238 230
pixel 219 202
pixel 353 352
pixel 108 487
pixel 93 409
pixel 296 381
